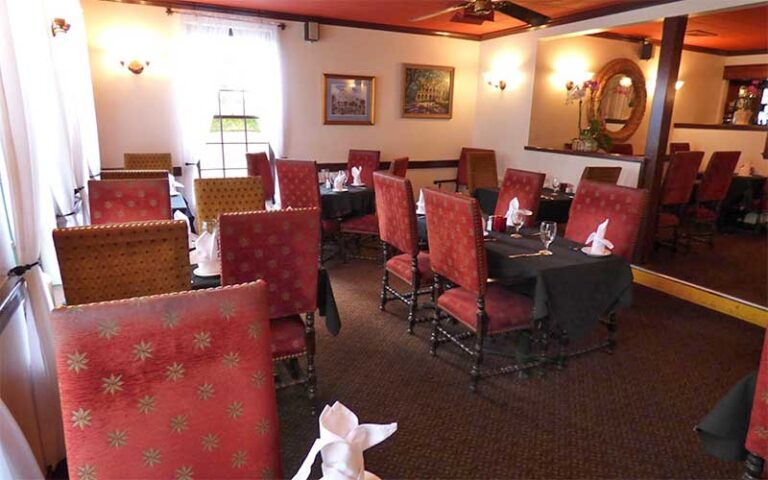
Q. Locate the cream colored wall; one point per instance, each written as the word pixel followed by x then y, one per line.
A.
pixel 700 100
pixel 746 59
pixel 136 112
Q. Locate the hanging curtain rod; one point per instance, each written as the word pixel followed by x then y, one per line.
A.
pixel 170 11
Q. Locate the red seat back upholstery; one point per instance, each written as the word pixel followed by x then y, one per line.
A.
pixel 281 247
pixel 399 167
pixel 136 200
pixel 169 386
pixel 299 186
pixel 397 212
pixel 622 149
pixel 461 172
pixel 595 202
pixel 757 435
pixel 368 160
pixel 455 231
pixel 524 185
pixel 680 177
pixel 679 147
pixel 258 166
pixel 717 177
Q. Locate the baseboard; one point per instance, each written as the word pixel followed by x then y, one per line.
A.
pixel 711 299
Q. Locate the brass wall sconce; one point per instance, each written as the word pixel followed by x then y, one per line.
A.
pixel 494 81
pixel 135 66
pixel 59 25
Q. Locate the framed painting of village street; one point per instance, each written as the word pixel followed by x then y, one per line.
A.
pixel 427 91
pixel 348 99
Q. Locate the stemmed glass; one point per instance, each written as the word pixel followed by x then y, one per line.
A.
pixel 518 220
pixel 555 184
pixel 547 231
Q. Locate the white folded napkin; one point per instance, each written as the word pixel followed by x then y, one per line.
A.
pixel 356 172
pixel 514 204
pixel 420 210
pixel 207 256
pixel 341 444
pixel 598 240
pixel 339 181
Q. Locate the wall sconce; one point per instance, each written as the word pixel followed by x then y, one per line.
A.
pixel 135 66
pixel 59 25
pixel 679 84
pixel 495 81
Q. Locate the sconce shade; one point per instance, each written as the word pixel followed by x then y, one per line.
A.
pixel 135 66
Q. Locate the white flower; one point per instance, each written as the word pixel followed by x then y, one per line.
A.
pixel 210 442
pixel 235 410
pixel 81 418
pixel 86 472
pixel 151 457
pixel 205 391
pixel 184 473
pixel 239 459
pixel 108 329
pixel 202 340
pixel 146 404
pixel 117 438
pixel 179 423
pixel 113 384
pixel 231 359
pixel 77 361
pixel 174 372
pixel 142 351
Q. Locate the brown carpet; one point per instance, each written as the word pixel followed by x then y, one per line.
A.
pixel 738 265
pixel 630 415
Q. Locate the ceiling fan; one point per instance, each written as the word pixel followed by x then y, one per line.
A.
pixel 479 11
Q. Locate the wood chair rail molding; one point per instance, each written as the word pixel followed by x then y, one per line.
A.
pixel 620 66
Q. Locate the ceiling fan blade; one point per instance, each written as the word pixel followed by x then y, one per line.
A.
pixel 442 12
pixel 514 10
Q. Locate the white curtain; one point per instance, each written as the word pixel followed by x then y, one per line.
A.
pixel 16 459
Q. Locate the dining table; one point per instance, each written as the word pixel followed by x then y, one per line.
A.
pixel 352 202
pixel 554 205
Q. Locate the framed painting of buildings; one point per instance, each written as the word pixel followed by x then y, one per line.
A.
pixel 427 91
pixel 348 99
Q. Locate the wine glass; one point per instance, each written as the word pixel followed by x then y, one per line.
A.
pixel 518 220
pixel 555 183
pixel 548 230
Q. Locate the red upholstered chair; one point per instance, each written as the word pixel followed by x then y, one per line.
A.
pixel 622 149
pixel 524 185
pixel 258 166
pixel 169 386
pixel 757 435
pixel 711 192
pixel 461 179
pixel 397 226
pixel 457 254
pixel 399 167
pixel 368 160
pixel 679 147
pixel 282 248
pixel 137 200
pixel 299 186
pixel 676 192
pixel 595 202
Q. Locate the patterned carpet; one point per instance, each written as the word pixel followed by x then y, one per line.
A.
pixel 630 415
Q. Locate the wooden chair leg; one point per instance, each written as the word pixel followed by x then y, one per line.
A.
pixel 754 467
pixel 415 281
pixel 482 324
pixel 611 326
pixel 384 278
pixel 309 338
pixel 435 317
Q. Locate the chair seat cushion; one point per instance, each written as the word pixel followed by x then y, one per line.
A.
pixel 287 336
pixel 702 213
pixel 668 220
pixel 400 265
pixel 367 224
pixel 506 310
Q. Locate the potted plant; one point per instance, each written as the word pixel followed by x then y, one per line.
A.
pixel 591 138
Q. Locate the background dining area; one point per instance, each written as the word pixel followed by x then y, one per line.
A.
pixel 448 240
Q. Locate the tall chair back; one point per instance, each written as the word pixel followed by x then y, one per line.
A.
pixel 299 186
pixel 215 196
pixel 399 167
pixel 595 202
pixel 124 174
pixel 138 200
pixel 145 392
pixel 281 247
pixel 676 147
pixel 258 166
pixel 397 212
pixel 456 250
pixel 680 177
pixel 602 174
pixel 368 160
pixel 622 149
pixel 717 177
pixel 122 260
pixel 148 161
pixel 524 185
pixel 481 170
pixel 462 172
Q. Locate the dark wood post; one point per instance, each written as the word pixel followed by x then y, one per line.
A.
pixel 660 122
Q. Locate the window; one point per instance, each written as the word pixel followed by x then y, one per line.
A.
pixel 234 131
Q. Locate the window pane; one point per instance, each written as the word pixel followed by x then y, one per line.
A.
pixel 231 102
pixel 237 172
pixel 211 157
pixel 234 156
pixel 212 173
pixel 256 147
pixel 235 136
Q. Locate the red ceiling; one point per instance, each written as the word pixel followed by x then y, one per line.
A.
pixel 736 30
pixel 398 12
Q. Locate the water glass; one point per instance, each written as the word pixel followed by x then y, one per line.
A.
pixel 518 219
pixel 555 183
pixel 548 230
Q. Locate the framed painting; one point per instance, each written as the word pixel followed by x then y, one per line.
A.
pixel 427 91
pixel 348 99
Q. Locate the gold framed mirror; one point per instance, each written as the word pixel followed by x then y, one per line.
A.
pixel 619 103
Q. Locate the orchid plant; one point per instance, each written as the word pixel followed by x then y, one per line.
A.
pixel 579 92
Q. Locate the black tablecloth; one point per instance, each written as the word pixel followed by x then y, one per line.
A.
pixel 553 206
pixel 326 302
pixel 724 430
pixel 357 201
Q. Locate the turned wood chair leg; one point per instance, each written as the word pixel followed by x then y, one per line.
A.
pixel 754 467
pixel 435 317
pixel 309 337
pixel 385 277
pixel 482 325
pixel 415 280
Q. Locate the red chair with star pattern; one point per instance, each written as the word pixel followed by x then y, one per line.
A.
pixel 457 255
pixel 397 225
pixel 169 386
pixel 299 186
pixel 136 200
pixel 258 166
pixel 368 160
pixel 676 192
pixel 282 248
pixel 524 185
pixel 757 434
pixel 399 167
pixel 366 225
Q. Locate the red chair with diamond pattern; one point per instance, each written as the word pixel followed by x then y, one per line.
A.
pixel 282 248
pixel 676 192
pixel 711 192
pixel 457 254
pixel 524 185
pixel 399 167
pixel 757 435
pixel 169 386
pixel 136 200
pixel 368 160
pixel 397 224
pixel 258 166
pixel 461 179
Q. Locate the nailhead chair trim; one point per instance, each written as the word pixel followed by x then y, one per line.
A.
pixel 125 174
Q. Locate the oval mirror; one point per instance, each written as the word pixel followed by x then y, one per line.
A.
pixel 619 103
